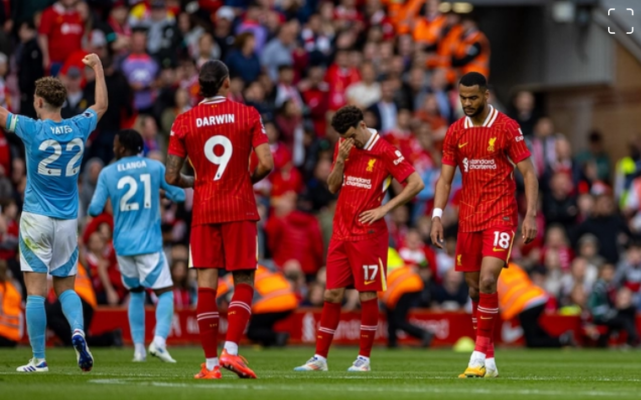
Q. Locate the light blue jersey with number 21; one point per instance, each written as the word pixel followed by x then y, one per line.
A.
pixel 54 152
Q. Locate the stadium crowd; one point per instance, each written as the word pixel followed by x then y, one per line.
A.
pixel 297 63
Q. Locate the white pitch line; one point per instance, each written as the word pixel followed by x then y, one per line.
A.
pixel 426 389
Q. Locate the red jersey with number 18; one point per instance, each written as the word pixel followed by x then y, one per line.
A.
pixel 486 156
pixel 218 136
pixel 366 178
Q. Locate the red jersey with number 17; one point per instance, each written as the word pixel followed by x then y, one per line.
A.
pixel 486 156
pixel 218 136
pixel 367 174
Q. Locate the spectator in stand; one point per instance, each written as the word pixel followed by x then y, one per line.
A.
pixel 366 92
pixel 340 75
pixel 120 26
pixel 315 93
pixel 279 50
pixel 251 23
pixel 163 35
pixel 628 272
pixel 243 60
pixel 10 308
pixel 9 230
pixel 452 294
pixel 60 34
pixel 607 225
pixel 141 71
pixel 74 105
pixel 543 144
pixel 30 67
pixel 414 252
pixel 294 235
pixel 181 104
pixel 317 41
pixel 317 190
pixel 223 34
pixel 556 240
pixel 613 308
pixel 563 163
pixel 588 249
pixel 120 109
pixel 89 181
pixel 207 49
pixel 472 53
pixel 289 121
pixel 581 274
pixel 286 90
pixel 559 204
pixel 596 153
pixel 525 113
pixel 385 110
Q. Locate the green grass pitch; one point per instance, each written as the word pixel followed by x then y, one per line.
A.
pixel 396 375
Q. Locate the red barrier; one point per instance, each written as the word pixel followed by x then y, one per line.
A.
pixel 447 327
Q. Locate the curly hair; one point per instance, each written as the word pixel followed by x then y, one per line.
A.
pixel 346 118
pixel 52 91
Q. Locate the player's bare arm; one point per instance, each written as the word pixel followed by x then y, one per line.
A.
pixel 414 186
pixel 335 178
pixel 173 176
pixel 443 189
pixel 4 114
pixel 265 163
pixel 102 100
pixel 529 229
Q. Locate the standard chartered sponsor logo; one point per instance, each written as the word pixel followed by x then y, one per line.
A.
pixel 358 182
pixel 478 164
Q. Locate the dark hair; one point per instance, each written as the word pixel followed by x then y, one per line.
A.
pixel 473 79
pixel 346 118
pixel 242 39
pixel 211 77
pixel 131 140
pixel 30 24
pixel 52 91
pixel 595 137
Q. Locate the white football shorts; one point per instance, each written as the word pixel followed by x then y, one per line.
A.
pixel 150 271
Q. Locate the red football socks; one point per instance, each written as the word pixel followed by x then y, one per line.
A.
pixel 239 311
pixel 207 315
pixel 475 306
pixel 369 326
pixel 330 318
pixel 488 313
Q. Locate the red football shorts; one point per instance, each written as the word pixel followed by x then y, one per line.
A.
pixel 230 245
pixel 471 247
pixel 361 264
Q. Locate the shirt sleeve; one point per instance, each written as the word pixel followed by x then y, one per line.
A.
pixel 516 147
pixel 45 23
pixel 100 195
pixel 86 122
pixel 173 193
pixel 259 135
pixel 23 127
pixel 177 145
pixel 396 164
pixel 449 148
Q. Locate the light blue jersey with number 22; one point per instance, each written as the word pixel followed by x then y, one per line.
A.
pixel 54 152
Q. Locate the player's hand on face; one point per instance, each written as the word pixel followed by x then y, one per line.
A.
pixel 91 60
pixel 437 233
pixel 370 216
pixel 529 229
pixel 344 149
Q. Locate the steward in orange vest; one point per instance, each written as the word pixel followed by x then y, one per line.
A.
pixel 472 52
pixel 448 44
pixel 520 297
pixel 57 322
pixel 404 287
pixel 10 309
pixel 274 300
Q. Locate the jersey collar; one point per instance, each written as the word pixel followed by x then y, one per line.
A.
pixel 213 100
pixel 489 120
pixel 372 140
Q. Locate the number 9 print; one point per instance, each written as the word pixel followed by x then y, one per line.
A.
pixel 221 160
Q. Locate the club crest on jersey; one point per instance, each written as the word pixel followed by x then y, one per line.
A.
pixel 370 164
pixel 491 143
pixel 458 260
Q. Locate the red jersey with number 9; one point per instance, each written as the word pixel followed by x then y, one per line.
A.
pixel 218 136
pixel 486 156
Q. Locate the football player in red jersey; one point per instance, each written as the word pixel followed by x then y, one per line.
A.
pixel 364 165
pixel 218 136
pixel 486 145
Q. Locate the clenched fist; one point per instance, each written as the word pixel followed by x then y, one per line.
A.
pixel 92 60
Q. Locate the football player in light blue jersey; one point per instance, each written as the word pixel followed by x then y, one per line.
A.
pixel 48 226
pixel 133 184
